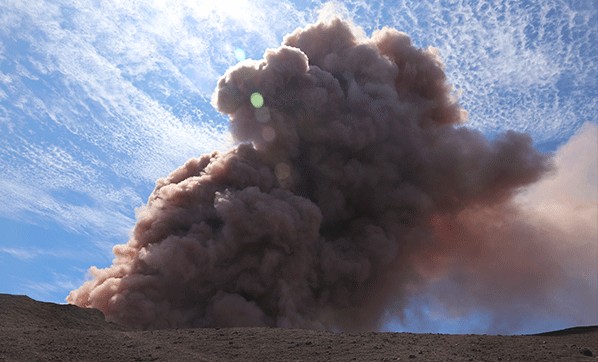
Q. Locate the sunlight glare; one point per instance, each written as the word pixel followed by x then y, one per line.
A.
pixel 240 54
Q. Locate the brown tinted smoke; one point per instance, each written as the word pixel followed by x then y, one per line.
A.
pixel 350 189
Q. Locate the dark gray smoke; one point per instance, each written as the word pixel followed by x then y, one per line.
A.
pixel 351 187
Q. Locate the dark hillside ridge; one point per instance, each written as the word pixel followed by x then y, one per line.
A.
pixel 568 331
pixel 20 311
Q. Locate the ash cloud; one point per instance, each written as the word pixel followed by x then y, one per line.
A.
pixel 352 187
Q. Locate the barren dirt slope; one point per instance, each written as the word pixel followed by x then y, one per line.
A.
pixel 31 330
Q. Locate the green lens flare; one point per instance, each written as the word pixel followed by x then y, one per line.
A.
pixel 256 100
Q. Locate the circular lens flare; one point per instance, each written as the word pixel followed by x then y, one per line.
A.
pixel 256 100
pixel 262 114
pixel 268 134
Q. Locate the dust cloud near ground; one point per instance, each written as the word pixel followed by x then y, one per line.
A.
pixel 354 186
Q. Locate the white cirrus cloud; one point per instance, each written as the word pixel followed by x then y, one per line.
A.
pixel 99 99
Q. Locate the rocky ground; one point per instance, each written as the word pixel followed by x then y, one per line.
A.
pixel 31 330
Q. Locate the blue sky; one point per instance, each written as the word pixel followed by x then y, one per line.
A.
pixel 98 99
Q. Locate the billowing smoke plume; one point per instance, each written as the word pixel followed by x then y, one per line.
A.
pixel 352 186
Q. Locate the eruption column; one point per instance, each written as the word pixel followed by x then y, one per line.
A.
pixel 350 187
